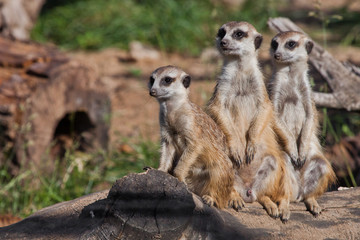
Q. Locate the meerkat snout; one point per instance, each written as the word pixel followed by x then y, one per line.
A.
pixel 277 56
pixel 153 93
pixel 224 43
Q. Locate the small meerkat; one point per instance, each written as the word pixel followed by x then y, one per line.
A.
pixel 296 117
pixel 192 146
pixel 241 107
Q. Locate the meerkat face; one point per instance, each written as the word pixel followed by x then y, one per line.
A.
pixel 167 82
pixel 290 47
pixel 238 39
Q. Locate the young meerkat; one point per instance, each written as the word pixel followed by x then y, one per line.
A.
pixel 241 107
pixel 192 146
pixel 296 116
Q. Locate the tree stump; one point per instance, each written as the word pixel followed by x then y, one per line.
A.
pixel 155 205
pixel 47 103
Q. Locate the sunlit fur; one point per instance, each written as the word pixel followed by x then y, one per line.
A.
pixel 241 107
pixel 192 146
pixel 296 116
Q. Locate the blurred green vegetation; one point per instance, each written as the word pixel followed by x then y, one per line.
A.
pixel 182 26
pixel 75 175
pixel 172 25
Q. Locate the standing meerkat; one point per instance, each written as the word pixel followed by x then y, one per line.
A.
pixel 192 146
pixel 241 107
pixel 296 116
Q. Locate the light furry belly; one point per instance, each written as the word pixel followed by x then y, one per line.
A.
pixel 294 117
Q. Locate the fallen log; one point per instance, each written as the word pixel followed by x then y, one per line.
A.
pixel 343 78
pixel 47 103
pixel 155 205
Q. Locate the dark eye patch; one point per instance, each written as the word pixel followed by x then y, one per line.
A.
pixel 238 34
pixel 274 45
pixel 221 33
pixel 151 81
pixel 166 81
pixel 291 44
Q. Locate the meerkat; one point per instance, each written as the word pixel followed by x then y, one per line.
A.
pixel 296 116
pixel 192 146
pixel 241 107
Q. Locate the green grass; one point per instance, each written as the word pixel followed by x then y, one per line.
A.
pixel 77 174
pixel 179 26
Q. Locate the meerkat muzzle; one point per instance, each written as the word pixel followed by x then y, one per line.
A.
pixel 153 93
pixel 277 56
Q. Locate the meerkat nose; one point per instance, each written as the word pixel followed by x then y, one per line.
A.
pixel 277 56
pixel 248 193
pixel 224 43
pixel 152 92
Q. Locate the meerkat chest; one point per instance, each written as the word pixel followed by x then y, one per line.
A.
pixel 293 110
pixel 242 97
pixel 176 129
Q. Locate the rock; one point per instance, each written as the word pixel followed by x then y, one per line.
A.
pixel 155 205
pixel 140 52
pixel 151 205
pixel 211 55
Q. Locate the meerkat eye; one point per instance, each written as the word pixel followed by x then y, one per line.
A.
pixel 291 44
pixel 238 34
pixel 167 80
pixel 221 33
pixel 151 81
pixel 274 45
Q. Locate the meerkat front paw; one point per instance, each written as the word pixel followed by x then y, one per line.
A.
pixel 237 154
pixel 301 161
pixel 250 152
pixel 179 175
pixel 294 159
pixel 298 163
pixel 301 158
pixel 208 200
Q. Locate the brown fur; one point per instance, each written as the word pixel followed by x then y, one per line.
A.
pixel 297 121
pixel 193 144
pixel 242 109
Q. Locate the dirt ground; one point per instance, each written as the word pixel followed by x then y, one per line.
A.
pixel 134 112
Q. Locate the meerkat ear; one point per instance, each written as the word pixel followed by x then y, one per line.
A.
pixel 258 41
pixel 186 81
pixel 309 46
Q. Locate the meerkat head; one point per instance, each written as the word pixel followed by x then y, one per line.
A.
pixel 167 82
pixel 238 39
pixel 290 47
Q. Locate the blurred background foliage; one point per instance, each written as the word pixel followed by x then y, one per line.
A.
pixel 175 26
pixel 183 26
